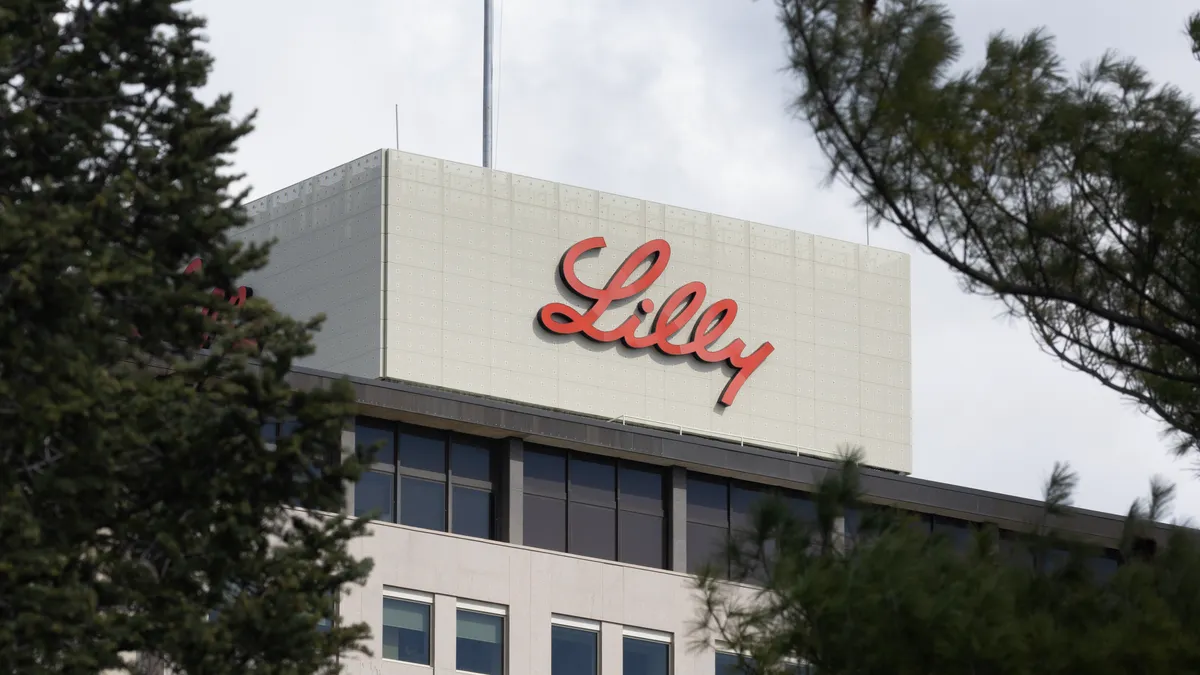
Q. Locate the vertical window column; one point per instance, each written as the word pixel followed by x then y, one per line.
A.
pixel 641 517
pixel 708 522
pixel 375 492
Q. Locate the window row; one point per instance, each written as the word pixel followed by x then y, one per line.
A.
pixel 408 634
pixel 481 637
pixel 427 478
pixel 960 533
pixel 595 506
pixel 579 503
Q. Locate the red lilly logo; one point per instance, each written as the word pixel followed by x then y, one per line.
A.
pixel 674 314
pixel 236 299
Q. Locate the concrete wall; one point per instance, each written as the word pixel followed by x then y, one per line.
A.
pixel 471 257
pixel 532 584
pixel 327 260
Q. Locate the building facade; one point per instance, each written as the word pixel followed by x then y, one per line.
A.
pixel 578 397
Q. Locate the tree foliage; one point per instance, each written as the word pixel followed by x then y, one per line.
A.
pixel 141 511
pixel 890 599
pixel 1073 198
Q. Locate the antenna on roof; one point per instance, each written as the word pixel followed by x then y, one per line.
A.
pixel 397 126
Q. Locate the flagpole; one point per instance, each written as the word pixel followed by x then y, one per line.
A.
pixel 487 83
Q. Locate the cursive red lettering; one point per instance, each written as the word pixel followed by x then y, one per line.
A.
pixel 679 309
pixel 238 299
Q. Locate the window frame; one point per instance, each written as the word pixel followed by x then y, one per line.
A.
pixel 414 597
pixel 447 479
pixel 488 608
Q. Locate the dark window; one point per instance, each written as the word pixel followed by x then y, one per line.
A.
pixel 1104 565
pixel 406 631
pixel 473 510
pixel 706 544
pixel 959 532
pixel 480 643
pixel 592 531
pixel 641 539
pixel 373 494
pixel 593 481
pixel 573 651
pixel 445 480
pixel 743 501
pixel 545 473
pixel 708 500
pixel 471 459
pixel 719 507
pixel 424 450
pixel 422 503
pixel 594 506
pixel 801 507
pixel 641 489
pixel 545 522
pixel 730 664
pixel 646 657
pixel 379 434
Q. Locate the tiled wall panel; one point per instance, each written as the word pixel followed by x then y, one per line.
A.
pixel 471 255
pixel 327 259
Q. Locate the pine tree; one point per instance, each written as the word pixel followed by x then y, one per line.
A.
pixel 1071 198
pixel 142 513
pixel 892 599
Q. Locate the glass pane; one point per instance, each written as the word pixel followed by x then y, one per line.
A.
pixel 645 657
pixel 801 507
pixel 472 512
pixel 422 503
pixel 1104 566
pixel 572 651
pixel 853 518
pixel 957 531
pixel 708 501
pixel 545 523
pixel 592 531
pixel 641 488
pixel 374 493
pixel 269 432
pixel 640 539
pixel 480 643
pixel 728 664
pixel 743 500
pixel 593 481
pixel 705 543
pixel 368 432
pixel 545 473
pixel 288 428
pixel 471 458
pixel 405 631
pixel 425 450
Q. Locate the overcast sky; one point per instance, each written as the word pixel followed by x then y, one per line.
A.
pixel 685 102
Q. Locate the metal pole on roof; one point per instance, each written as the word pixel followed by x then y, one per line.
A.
pixel 487 83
